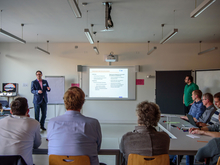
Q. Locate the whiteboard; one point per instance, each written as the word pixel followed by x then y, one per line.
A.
pixel 208 80
pixel 57 85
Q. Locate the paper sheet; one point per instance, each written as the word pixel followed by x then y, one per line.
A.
pixel 193 136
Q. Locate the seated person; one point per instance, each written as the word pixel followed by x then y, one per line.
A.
pixel 207 101
pixel 72 133
pixel 19 134
pixel 145 140
pixel 213 131
pixel 215 116
pixel 197 108
pixel 210 152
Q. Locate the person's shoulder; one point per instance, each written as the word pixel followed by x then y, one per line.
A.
pixel 34 81
pixel 31 121
pixel 91 120
pixel 128 134
pixel 163 135
pixel 58 118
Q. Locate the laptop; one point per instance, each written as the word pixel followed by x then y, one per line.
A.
pixel 191 120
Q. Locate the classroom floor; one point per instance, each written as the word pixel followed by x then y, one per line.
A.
pixel 108 131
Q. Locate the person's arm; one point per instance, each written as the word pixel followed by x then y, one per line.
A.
pixel 48 88
pixel 208 151
pixel 37 137
pixel 33 89
pixel 183 99
pixel 121 145
pixel 184 117
pixel 99 139
pixel 200 111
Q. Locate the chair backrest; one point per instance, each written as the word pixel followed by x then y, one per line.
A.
pixel 218 163
pixel 12 160
pixel 135 159
pixel 68 160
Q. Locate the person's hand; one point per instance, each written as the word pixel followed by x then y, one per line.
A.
pixel 48 88
pixel 40 91
pixel 183 117
pixel 201 124
pixel 192 129
pixel 197 131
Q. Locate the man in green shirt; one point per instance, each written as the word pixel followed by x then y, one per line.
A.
pixel 187 96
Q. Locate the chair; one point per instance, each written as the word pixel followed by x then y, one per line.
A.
pixel 135 159
pixel 12 160
pixel 218 163
pixel 68 160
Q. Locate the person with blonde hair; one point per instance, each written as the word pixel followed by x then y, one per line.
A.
pixel 145 139
pixel 74 134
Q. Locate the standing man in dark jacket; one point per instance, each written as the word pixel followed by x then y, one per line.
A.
pixel 39 88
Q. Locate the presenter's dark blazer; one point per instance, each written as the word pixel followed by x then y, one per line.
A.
pixel 35 86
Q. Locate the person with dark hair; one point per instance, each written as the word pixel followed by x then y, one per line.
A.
pixel 72 133
pixel 145 140
pixel 19 134
pixel 187 96
pixel 39 88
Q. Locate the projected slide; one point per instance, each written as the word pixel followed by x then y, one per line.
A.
pixel 108 82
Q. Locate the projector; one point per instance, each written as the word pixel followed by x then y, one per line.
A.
pixel 111 58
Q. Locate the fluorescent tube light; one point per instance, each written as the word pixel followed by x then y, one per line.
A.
pixel 205 4
pixel 170 35
pixel 150 51
pixel 96 50
pixel 75 8
pixel 12 36
pixel 40 49
pixel 208 50
pixel 89 36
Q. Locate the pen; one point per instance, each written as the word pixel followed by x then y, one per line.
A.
pixel 202 141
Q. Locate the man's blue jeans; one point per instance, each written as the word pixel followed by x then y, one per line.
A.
pixel 43 107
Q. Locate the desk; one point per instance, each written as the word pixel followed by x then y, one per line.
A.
pixel 112 134
pixel 182 144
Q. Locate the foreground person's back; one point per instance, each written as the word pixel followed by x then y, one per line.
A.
pixel 145 140
pixel 72 133
pixel 19 133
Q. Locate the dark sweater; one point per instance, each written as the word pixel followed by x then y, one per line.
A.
pixel 144 141
pixel 210 150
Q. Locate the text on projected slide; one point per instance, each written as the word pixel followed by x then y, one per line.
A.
pixel 108 83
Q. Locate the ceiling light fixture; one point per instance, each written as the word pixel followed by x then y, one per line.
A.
pixel 206 51
pixel 88 35
pixel 96 48
pixel 170 35
pixel 151 51
pixel 198 10
pixel 11 35
pixel 75 8
pixel 42 50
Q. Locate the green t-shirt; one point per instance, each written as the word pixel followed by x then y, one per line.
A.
pixel 188 93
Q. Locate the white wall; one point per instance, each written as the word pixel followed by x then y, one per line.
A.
pixel 19 62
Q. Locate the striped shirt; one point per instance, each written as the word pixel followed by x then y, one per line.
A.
pixel 214 118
